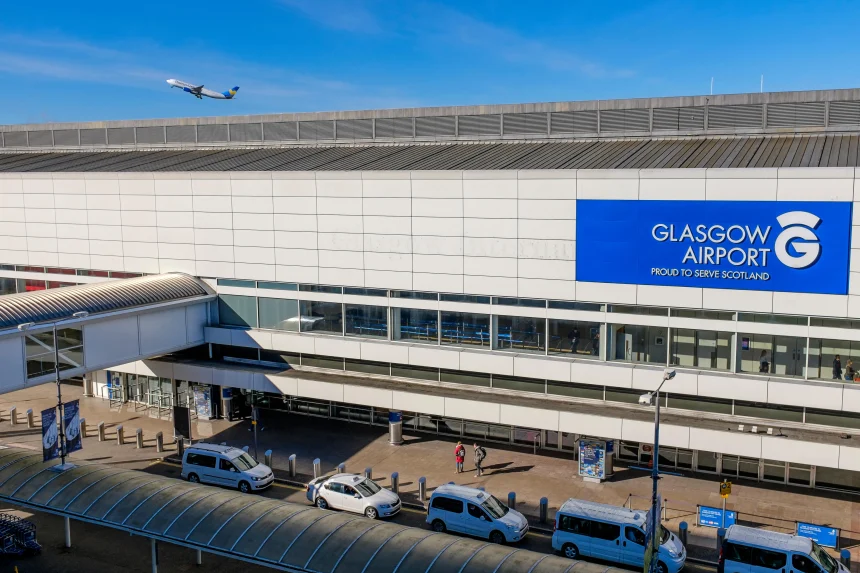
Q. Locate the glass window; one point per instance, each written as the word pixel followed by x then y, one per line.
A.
pixel 465 298
pixel 804 564
pixel 767 354
pixel 278 357
pixel 707 314
pixel 366 291
pixel 279 313
pixel 831 418
pixel 799 474
pixel 574 525
pixel 414 324
pixel 846 480
pixel 835 322
pixel 414 294
pixel 322 361
pixel 772 318
pixel 7 267
pixel 321 316
pixel 277 286
pixel 30 285
pixel 646 310
pixel 368 321
pixel 321 288
pixel 574 390
pixel 834 359
pixel 521 334
pixel 768 411
pixel 59 284
pixel 419 372
pixel 635 535
pixel 56 271
pixel 368 367
pixel 40 351
pixel 581 339
pixel 516 383
pixel 88 273
pixel 635 343
pixel 236 283
pixel 607 531
pixel 227 466
pixel 236 310
pixel 8 286
pixel 701 349
pixel 465 328
pixel 706 461
pixel 447 504
pixel 570 305
pixel 124 275
pixel 224 352
pixel 622 395
pixel 26 269
pixel 737 553
pixel 773 471
pixel 534 303
pixel 471 378
pixel 699 404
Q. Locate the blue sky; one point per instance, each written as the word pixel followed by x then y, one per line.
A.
pixel 82 61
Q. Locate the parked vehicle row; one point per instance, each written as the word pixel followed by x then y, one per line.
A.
pixel 225 466
pixel 354 493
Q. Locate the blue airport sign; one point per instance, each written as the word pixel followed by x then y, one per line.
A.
pixel 786 246
pixel 821 534
pixel 713 517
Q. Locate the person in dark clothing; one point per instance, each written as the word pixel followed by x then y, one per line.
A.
pixel 573 336
pixel 763 364
pixel 480 455
pixel 837 368
pixel 849 371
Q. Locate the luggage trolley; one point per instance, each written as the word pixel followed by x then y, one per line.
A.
pixel 18 536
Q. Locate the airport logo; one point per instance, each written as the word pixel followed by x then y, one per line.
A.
pixel 798 226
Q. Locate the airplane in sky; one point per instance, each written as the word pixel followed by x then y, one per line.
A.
pixel 200 91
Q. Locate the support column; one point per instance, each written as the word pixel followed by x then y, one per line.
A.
pixel 199 558
pixel 154 555
pixel 68 527
pixel 88 385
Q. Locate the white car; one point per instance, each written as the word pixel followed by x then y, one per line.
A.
pixel 223 465
pixel 350 492
pixel 475 512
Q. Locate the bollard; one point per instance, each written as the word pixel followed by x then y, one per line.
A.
pixel 180 447
pixel 422 489
pixel 101 431
pixel 138 435
pixel 120 435
pixel 341 468
pixel 544 504
pixel 159 442
pixel 292 465
pixel 721 534
pixel 512 500
pixel 395 482
pixel 368 473
pixel 30 423
pixel 317 471
pixel 13 415
pixel 83 427
pixel 682 533
pixel 245 449
pixel 268 458
pixel 845 558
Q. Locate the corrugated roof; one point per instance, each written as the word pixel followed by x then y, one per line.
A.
pixel 797 150
pixel 258 530
pixel 53 304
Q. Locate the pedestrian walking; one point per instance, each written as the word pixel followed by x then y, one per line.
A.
pixel 459 456
pixel 849 371
pixel 480 456
pixel 573 337
pixel 837 368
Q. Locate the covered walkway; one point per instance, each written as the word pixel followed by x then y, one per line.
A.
pixel 262 531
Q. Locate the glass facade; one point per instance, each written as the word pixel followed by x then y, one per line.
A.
pixel 703 349
pixel 321 316
pixel 8 286
pixel 414 324
pixel 636 343
pixel 578 338
pixel 234 310
pixel 465 328
pixel 521 334
pixel 834 359
pixel 768 354
pixel 41 355
pixel 279 313
pixel 366 321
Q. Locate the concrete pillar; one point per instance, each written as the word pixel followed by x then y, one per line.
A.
pixel 292 465
pixel 422 489
pixel 13 415
pixel 317 470
pixel 120 435
pixel 267 456
pixel 101 431
pixel 68 527
pixel 88 385
pixel 30 422
pixel 199 558
pixel 159 442
pixel 154 551
pixel 83 427
pixel 139 438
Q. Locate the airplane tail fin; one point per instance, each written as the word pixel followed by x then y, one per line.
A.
pixel 230 93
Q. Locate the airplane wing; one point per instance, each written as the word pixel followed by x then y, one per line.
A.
pixel 197 89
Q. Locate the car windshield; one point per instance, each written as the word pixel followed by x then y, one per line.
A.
pixel 664 535
pixel 367 488
pixel 495 507
pixel 824 559
pixel 244 462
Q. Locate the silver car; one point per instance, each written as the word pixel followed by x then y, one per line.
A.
pixel 350 492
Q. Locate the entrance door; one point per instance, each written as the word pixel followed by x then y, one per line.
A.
pixel 788 356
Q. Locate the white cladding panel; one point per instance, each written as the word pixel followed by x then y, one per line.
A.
pixel 111 341
pixel 162 330
pixel 12 360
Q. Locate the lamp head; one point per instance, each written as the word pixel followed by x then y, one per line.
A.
pixel 645 399
pixel 668 374
pixel 25 326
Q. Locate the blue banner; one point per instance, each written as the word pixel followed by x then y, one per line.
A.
pixel 50 435
pixel 713 517
pixel 592 459
pixel 786 246
pixel 822 535
pixel 72 425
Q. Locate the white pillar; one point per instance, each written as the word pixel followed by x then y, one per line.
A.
pixel 68 527
pixel 154 555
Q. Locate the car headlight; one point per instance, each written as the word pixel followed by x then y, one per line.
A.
pixel 384 506
pixel 672 553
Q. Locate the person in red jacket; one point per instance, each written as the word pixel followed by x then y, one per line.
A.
pixel 459 456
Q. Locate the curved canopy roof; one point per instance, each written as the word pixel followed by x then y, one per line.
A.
pixel 63 302
pixel 255 529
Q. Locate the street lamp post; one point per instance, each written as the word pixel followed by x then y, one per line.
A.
pixel 646 399
pixel 60 411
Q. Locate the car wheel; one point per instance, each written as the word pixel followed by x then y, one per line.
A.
pixel 439 526
pixel 661 567
pixel 570 551
pixel 497 537
pixel 371 513
pixel 322 503
pixel 244 487
pixel 193 478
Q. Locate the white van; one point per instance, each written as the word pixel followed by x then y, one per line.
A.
pixel 750 550
pixel 612 533
pixel 474 512
pixel 223 465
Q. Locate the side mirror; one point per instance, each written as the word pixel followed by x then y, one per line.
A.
pixel 357 496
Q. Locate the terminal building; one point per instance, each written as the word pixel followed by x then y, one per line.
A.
pixel 511 273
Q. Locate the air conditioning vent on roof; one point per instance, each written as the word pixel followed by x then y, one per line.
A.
pixel 120 135
pixel 435 126
pixel 844 113
pixel 181 134
pixel 489 124
pixel 355 129
pixel 67 137
pixel 728 116
pixel 246 132
pixel 391 127
pixel 281 131
pixel 809 114
pixel 679 118
pixel 573 121
pixel 41 138
pixel 316 129
pixel 212 133
pixel 93 136
pixel 149 135
pixel 525 123
pixel 623 120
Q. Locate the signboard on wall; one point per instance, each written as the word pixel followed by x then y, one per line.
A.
pixel 821 534
pixel 713 517
pixel 50 435
pixel 203 402
pixel 592 459
pixel 786 246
